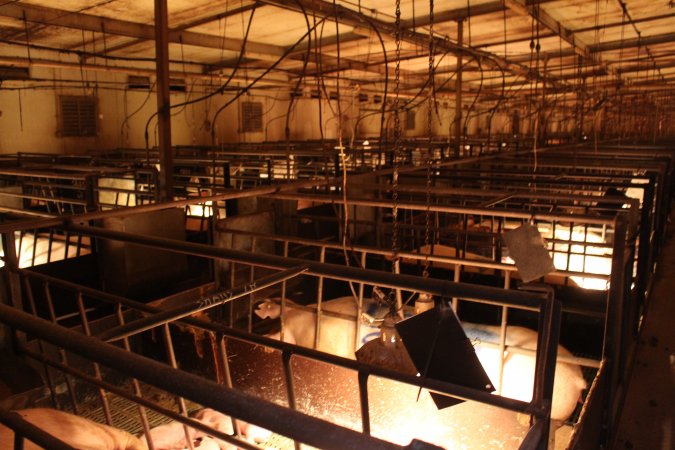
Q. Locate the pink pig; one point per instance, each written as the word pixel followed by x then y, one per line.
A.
pixel 76 431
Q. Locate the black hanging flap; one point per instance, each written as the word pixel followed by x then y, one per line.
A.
pixel 441 351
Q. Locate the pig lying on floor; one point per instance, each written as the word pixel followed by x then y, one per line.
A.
pixel 337 338
pixel 171 436
pixel 518 378
pixel 337 335
pixel 76 431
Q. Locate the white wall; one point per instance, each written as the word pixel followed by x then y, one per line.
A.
pixel 32 124
pixel 29 116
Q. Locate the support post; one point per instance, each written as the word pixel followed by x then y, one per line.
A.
pixel 458 91
pixel 12 286
pixel 163 100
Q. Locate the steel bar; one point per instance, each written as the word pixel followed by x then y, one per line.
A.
pixel 171 356
pixel 188 309
pixel 134 382
pixel 97 370
pixel 363 401
pixel 42 174
pixel 548 336
pixel 522 170
pixel 614 341
pixel 231 195
pixel 534 437
pixel 469 11
pixel 26 430
pixel 502 340
pixel 645 266
pixel 41 346
pixel 62 353
pixel 136 398
pixel 46 199
pixel 419 206
pixel 458 91
pixel 417 255
pixel 355 18
pixel 223 362
pixel 188 25
pixel 161 31
pixel 290 385
pixel 413 283
pixel 495 201
pixel 457 391
pixel 514 349
pixel 81 21
pixel 87 346
pixel 580 182
pixel 27 212
pixel 307 429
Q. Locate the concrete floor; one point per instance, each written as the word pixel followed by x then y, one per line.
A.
pixel 648 417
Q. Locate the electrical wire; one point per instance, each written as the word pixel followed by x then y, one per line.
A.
pixel 221 89
pixel 291 102
pixel 127 118
pixel 245 89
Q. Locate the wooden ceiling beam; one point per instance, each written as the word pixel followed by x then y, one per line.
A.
pixel 608 46
pixel 645 67
pixel 634 42
pixel 453 15
pixel 354 18
pixel 79 21
pixel 195 23
pixel 540 15
pixel 273 79
pixel 550 34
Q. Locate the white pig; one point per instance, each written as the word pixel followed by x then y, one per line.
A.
pixel 76 431
pixel 337 337
pixel 518 378
pixel 171 436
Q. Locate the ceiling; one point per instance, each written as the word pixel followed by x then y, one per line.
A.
pixel 509 48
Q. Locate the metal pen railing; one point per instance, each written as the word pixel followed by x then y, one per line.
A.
pixel 101 356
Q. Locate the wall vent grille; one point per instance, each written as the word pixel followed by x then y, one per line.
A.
pixel 14 73
pixel 410 120
pixel 251 117
pixel 78 115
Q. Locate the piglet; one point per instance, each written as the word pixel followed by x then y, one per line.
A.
pixel 222 422
pixel 171 436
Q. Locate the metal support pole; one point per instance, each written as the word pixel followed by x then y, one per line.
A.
pixel 163 100
pixel 11 276
pixel 645 267
pixel 614 336
pixel 276 418
pixel 458 91
pixel 24 429
pixel 548 335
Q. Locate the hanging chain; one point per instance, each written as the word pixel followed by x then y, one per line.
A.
pixel 430 156
pixel 397 137
pixel 393 300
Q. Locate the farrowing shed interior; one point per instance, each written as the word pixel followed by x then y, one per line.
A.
pixel 296 212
